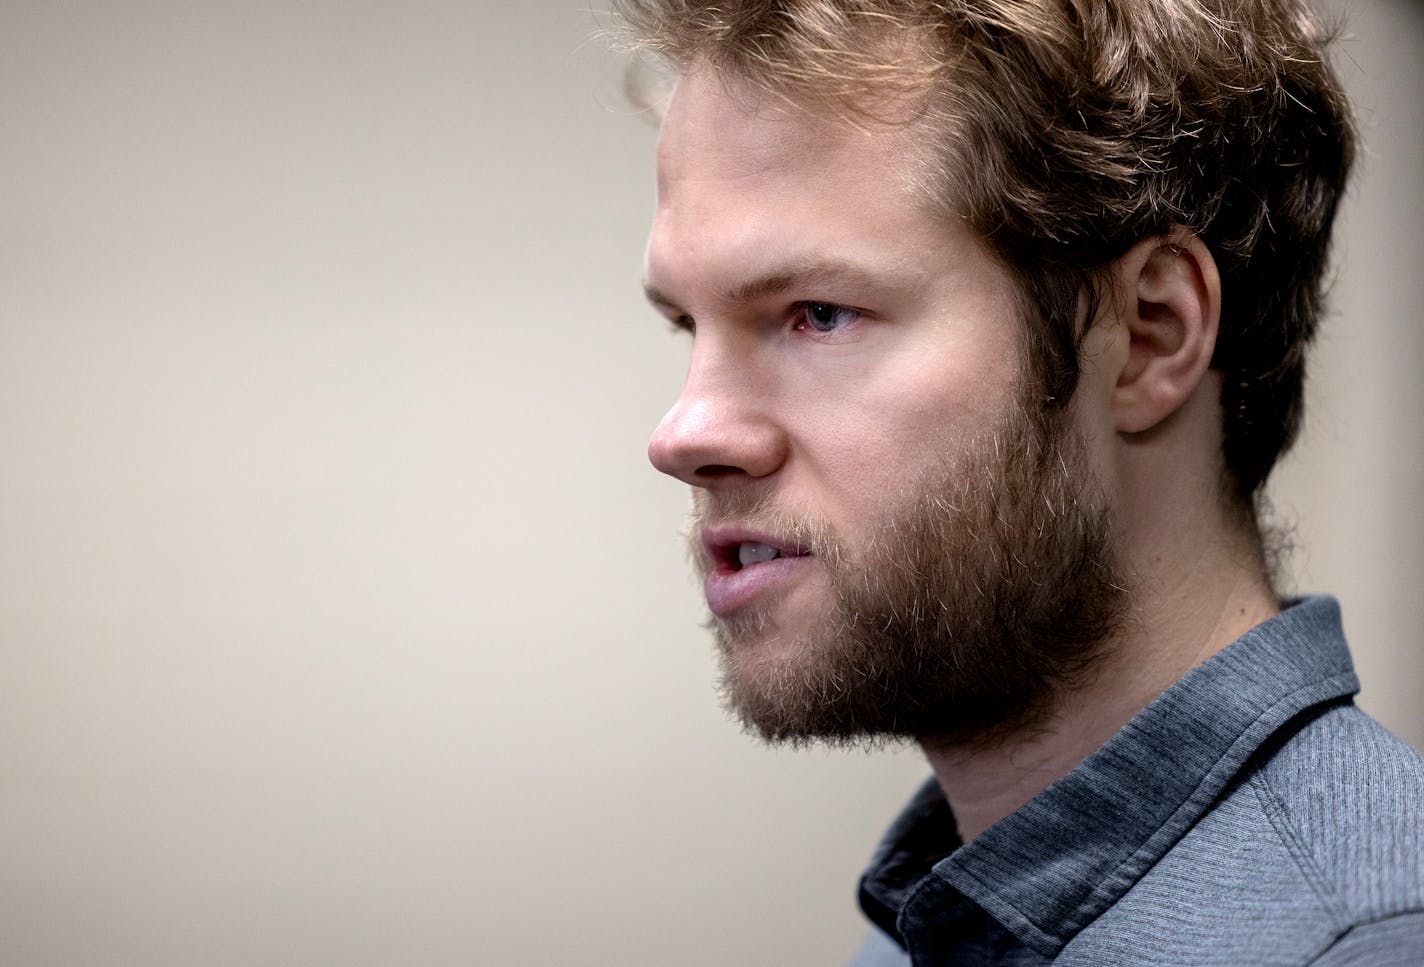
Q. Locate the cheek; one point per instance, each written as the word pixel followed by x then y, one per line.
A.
pixel 915 402
pixel 877 449
pixel 934 409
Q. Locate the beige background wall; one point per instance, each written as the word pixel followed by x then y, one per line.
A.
pixel 341 619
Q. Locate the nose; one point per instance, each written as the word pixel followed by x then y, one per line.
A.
pixel 720 431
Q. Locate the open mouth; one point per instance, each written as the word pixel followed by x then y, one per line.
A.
pixel 739 555
pixel 752 552
pixel 747 565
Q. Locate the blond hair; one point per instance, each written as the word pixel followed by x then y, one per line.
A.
pixel 1064 131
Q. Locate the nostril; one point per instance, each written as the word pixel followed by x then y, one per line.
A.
pixel 717 470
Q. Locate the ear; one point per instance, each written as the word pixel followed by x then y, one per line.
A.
pixel 1168 301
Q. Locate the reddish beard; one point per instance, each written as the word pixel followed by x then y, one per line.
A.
pixel 969 608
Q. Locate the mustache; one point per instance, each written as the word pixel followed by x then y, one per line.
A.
pixel 761 511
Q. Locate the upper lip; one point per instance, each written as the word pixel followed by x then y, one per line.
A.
pixel 721 541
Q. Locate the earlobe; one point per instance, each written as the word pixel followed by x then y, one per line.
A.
pixel 1168 300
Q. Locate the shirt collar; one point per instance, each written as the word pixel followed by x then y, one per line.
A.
pixel 1053 866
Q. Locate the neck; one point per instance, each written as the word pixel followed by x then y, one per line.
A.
pixel 1180 614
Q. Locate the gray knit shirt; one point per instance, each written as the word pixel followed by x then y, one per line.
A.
pixel 1251 815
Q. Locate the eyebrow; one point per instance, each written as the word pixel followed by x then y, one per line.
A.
pixel 781 279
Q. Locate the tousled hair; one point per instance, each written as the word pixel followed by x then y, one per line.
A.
pixel 1065 131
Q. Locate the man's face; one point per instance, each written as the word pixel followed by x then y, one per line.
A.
pixel 895 539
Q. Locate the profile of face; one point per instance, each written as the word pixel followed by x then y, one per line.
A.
pixel 897 538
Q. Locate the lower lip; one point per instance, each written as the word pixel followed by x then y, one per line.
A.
pixel 730 590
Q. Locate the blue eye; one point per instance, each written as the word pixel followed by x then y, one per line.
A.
pixel 825 316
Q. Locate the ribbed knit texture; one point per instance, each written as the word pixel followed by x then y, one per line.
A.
pixel 1250 815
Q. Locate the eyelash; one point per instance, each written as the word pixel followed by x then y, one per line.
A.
pixel 687 324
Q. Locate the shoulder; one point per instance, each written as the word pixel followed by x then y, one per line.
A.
pixel 1314 854
pixel 1347 796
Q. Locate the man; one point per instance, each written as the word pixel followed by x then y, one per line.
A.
pixel 998 314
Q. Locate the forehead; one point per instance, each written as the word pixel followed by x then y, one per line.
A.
pixel 718 124
pixel 747 177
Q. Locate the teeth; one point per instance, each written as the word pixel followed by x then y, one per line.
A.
pixel 749 553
